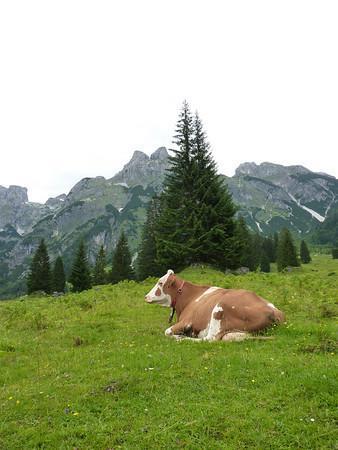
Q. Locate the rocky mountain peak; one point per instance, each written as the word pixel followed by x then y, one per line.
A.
pixel 267 169
pixel 138 157
pixel 247 168
pixel 17 211
pixel 56 202
pixel 270 197
pixel 160 154
pixel 144 170
pixel 14 194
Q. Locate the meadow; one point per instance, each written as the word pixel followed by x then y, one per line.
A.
pixel 95 371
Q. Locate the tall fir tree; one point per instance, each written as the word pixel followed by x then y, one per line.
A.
pixel 197 222
pixel 80 276
pixel 40 277
pixel 59 276
pixel 286 253
pixel 121 267
pixel 173 233
pixel 99 273
pixel 214 225
pixel 147 255
pixel 305 256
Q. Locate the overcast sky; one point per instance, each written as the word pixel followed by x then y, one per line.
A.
pixel 85 83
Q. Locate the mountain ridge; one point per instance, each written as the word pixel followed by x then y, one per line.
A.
pixel 270 196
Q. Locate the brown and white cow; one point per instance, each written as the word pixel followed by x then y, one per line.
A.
pixel 212 313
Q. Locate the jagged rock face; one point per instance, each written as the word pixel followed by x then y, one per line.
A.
pixel 15 210
pixel 17 195
pixel 56 202
pixel 268 170
pixel 12 200
pixel 307 196
pixel 269 196
pixel 144 170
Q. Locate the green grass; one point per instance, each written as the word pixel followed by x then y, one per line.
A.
pixel 94 371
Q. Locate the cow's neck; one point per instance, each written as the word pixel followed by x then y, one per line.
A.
pixel 189 293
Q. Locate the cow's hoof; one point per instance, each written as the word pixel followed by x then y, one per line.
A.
pixel 168 332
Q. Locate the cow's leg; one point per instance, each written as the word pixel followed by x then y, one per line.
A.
pixel 213 332
pixel 175 330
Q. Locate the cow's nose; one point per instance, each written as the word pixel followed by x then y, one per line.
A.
pixel 147 299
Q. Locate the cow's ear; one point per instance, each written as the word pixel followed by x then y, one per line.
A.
pixel 170 272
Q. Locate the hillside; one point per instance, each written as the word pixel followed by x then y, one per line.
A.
pixel 94 370
pixel 269 197
pixel 272 196
pixel 327 232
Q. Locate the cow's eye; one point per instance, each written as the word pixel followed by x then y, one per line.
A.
pixel 160 283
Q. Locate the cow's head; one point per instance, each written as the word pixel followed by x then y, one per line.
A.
pixel 161 293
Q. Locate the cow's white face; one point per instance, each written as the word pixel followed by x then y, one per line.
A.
pixel 157 294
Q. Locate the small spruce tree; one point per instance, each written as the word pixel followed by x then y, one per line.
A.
pixel 121 267
pixel 256 251
pixel 99 274
pixel 40 277
pixel 146 260
pixel 265 262
pixel 245 241
pixel 286 253
pixel 59 276
pixel 80 275
pixel 304 253
pixel 268 247
pixel 275 246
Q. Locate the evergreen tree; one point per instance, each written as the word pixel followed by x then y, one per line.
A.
pixel 173 233
pixel 256 251
pixel 286 254
pixel 147 256
pixel 196 222
pixel 59 277
pixel 304 253
pixel 39 278
pixel 213 224
pixel 268 247
pixel 275 246
pixel 265 262
pixel 121 267
pixel 246 244
pixel 80 275
pixel 99 274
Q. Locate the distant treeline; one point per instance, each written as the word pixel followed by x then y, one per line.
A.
pixel 257 254
pixel 47 277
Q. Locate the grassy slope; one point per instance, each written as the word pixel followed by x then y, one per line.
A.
pixel 94 371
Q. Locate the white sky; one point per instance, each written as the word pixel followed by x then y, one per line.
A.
pixel 85 83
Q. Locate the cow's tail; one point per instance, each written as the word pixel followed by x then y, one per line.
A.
pixel 260 338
